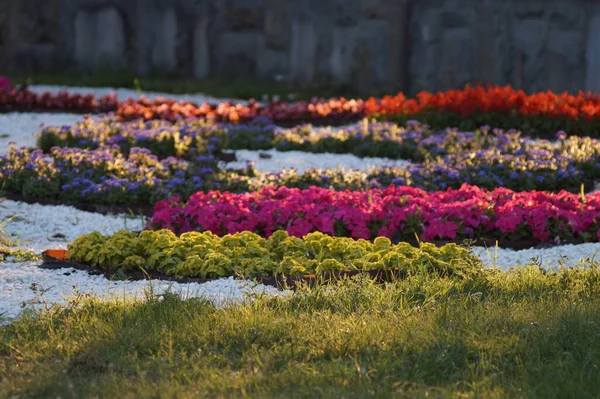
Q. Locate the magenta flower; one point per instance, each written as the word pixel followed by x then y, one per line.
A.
pixel 5 84
pixel 394 212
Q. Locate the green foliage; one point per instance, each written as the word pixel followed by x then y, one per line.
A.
pixel 247 254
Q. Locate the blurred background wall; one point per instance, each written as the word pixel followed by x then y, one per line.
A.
pixel 382 45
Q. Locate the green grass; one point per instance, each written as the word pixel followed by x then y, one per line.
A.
pixel 526 333
pixel 217 87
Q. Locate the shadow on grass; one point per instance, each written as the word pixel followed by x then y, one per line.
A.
pixel 411 338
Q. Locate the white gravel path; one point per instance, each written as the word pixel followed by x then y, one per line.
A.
pixel 21 127
pixel 125 94
pixel 26 286
pixel 548 258
pixel 304 160
pixel 41 227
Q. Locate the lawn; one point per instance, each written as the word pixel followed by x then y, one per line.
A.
pixel 524 333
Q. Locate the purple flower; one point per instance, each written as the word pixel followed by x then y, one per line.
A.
pixel 561 135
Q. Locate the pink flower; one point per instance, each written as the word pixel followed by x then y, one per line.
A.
pixel 508 223
pixel 440 229
pixel 300 228
pixel 5 84
pixel 450 214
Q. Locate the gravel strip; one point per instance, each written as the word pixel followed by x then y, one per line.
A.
pixel 40 227
pixel 548 258
pixel 301 161
pixel 26 286
pixel 21 127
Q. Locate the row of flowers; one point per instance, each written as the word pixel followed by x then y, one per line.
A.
pixel 249 255
pixel 414 141
pixel 332 111
pixel 492 99
pixel 466 108
pixel 12 100
pixel 500 106
pixel 399 213
pixel 109 176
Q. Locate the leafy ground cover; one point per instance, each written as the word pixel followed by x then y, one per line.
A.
pixel 248 255
pixel 523 333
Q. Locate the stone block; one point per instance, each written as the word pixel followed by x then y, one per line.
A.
pixel 271 64
pixel 35 57
pixel 244 14
pixel 528 39
pixel 276 28
pixel 592 55
pixel 454 19
pixel 565 16
pixel 110 48
pixel 568 43
pixel 164 54
pixel 85 39
pixel 303 50
pixel 201 49
pixel 531 9
pixel 456 58
pixel 557 72
pixel 343 54
pixel 373 51
pixel 237 52
pixel 99 38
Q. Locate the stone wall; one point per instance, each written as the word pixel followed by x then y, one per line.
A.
pixel 372 45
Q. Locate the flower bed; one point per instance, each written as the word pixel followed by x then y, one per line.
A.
pixel 27 100
pixel 183 139
pixel 333 111
pixel 469 108
pixel 104 175
pixel 398 213
pixel 416 142
pixel 107 176
pixel 504 107
pixel 246 255
pixel 487 158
